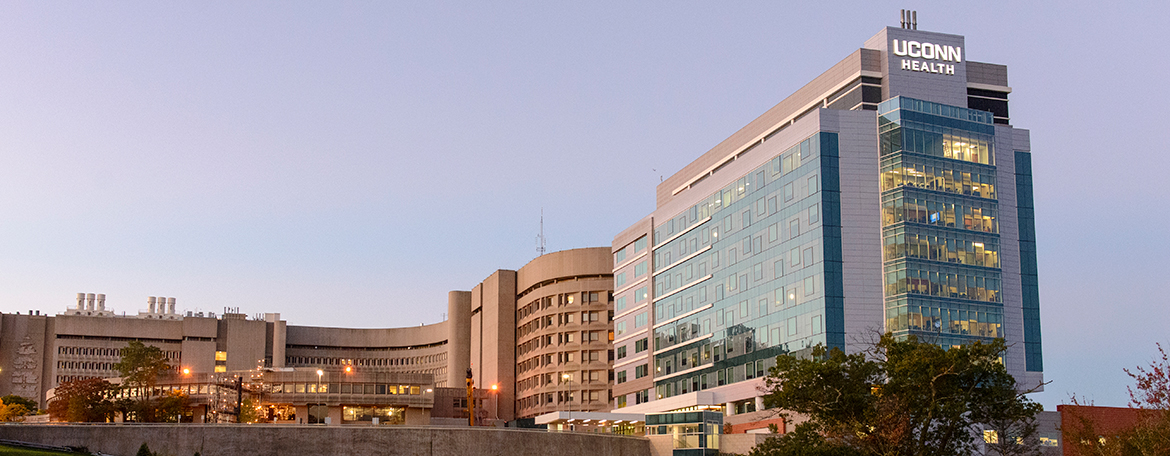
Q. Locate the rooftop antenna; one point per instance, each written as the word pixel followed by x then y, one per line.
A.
pixel 540 239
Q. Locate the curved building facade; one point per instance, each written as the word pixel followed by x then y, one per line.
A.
pixel 39 352
pixel 564 341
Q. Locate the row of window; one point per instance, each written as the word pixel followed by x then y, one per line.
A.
pixel 965 320
pixel 85 365
pixel 342 388
pixel 546 340
pixel 107 352
pixel 640 346
pixel 640 371
pixel 907 206
pixel 941 245
pixel 564 299
pixel 561 319
pixel 937 141
pixel 313 361
pixel 639 296
pixel 619 280
pixel 938 175
pixel 720 377
pixel 629 250
pixel 556 379
pixel 564 397
pixel 943 281
pixel 586 356
pixel 639 398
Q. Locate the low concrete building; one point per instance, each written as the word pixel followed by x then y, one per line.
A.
pixel 555 349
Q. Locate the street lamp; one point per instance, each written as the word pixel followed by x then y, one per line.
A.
pixel 569 396
pixel 496 402
pixel 319 374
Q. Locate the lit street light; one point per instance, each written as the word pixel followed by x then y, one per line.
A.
pixel 569 397
pixel 496 402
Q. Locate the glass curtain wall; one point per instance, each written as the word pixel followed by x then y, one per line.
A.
pixel 939 222
pixel 750 272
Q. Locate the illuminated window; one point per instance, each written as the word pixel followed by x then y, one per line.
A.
pixel 221 356
pixel 221 368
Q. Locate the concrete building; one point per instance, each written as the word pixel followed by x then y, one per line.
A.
pixel 561 330
pixel 542 333
pixel 890 193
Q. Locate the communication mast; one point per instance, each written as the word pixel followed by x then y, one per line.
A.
pixel 540 237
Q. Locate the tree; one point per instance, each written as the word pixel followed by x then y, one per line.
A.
pixel 248 412
pixel 141 366
pixel 171 407
pixel 12 412
pixel 29 404
pixel 902 397
pixel 14 408
pixel 82 401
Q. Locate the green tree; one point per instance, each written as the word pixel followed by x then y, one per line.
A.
pixel 82 401
pixel 141 366
pixel 248 412
pixel 29 404
pixel 903 397
pixel 15 408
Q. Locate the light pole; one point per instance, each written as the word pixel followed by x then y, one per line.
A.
pixel 495 402
pixel 569 397
pixel 319 374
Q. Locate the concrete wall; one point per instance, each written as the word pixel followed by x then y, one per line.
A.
pixel 495 349
pixel 27 355
pixel 208 440
pixel 458 337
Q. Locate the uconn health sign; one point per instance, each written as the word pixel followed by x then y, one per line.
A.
pixel 927 57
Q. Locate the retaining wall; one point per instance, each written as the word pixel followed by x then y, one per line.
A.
pixel 286 440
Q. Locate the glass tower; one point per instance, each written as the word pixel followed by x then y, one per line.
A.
pixel 940 231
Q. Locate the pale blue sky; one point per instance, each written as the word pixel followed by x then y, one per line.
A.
pixel 347 164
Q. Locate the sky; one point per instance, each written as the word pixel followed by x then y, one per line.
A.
pixel 349 163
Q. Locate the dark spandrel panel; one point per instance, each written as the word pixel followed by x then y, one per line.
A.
pixel 848 88
pixel 987 93
pixel 848 100
pixel 869 80
pixel 997 107
pixel 1002 121
pixel 871 94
